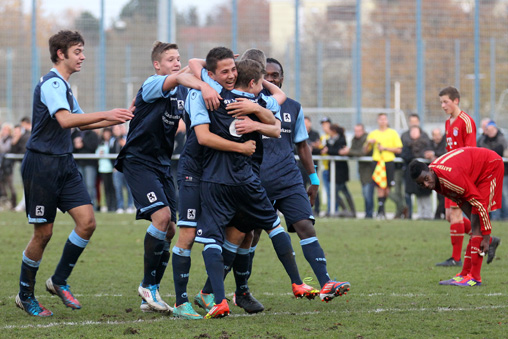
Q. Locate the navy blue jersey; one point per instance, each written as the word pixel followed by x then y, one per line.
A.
pixel 279 170
pixel 229 168
pixel 152 130
pixel 51 94
pixel 190 164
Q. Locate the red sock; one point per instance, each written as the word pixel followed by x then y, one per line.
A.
pixel 467 226
pixel 466 267
pixel 457 237
pixel 476 258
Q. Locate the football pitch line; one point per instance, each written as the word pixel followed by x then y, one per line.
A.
pixel 170 318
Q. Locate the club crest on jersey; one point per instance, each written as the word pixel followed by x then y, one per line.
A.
pixel 151 197
pixel 191 214
pixel 55 84
pixel 39 211
pixel 199 232
pixel 287 117
pixel 180 105
pixel 232 129
pixel 455 131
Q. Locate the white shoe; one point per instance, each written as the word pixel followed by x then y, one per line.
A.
pixel 130 210
pixel 151 295
pixel 119 211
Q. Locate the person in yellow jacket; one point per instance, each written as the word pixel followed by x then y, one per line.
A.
pixel 385 143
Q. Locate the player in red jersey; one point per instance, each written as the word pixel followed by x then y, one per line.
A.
pixel 472 178
pixel 460 131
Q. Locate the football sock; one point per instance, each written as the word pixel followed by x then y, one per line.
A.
pixel 252 252
pixel 27 277
pixel 228 254
pixel 241 270
pixel 181 267
pixel 466 266
pixel 457 238
pixel 316 258
pixel 282 244
pixel 73 248
pixel 467 225
pixel 154 245
pixel 381 205
pixel 228 257
pixel 163 264
pixel 215 269
pixel 476 258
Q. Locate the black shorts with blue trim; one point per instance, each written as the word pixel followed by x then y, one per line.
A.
pixel 189 204
pixel 295 207
pixel 220 203
pixel 152 187
pixel 51 182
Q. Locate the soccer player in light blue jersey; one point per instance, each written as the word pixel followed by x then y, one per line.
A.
pixel 50 175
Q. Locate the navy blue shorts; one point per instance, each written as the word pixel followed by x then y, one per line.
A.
pixel 220 203
pixel 189 204
pixel 152 187
pixel 51 182
pixel 295 207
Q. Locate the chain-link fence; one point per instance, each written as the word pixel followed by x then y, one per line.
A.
pixel 342 59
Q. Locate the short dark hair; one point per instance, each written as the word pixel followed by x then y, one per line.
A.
pixel 414 115
pixel 451 91
pixel 63 40
pixel 416 168
pixel 26 120
pixel 275 61
pixel 255 54
pixel 161 47
pixel 248 70
pixel 217 54
pixel 337 129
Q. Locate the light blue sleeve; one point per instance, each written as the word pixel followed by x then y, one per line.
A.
pixel 300 133
pixel 272 105
pixel 152 88
pixel 77 108
pixel 206 78
pixel 54 95
pixel 195 107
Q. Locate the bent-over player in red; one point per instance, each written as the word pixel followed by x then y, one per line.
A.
pixel 473 178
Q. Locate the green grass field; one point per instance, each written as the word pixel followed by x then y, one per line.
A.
pixel 390 264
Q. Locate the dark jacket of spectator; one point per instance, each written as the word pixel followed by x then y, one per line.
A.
pixel 415 148
pixel 334 145
pixel 90 143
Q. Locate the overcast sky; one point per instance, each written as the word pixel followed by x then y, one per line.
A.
pixel 112 8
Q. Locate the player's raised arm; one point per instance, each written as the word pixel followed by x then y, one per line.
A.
pixel 210 95
pixel 115 116
pixel 275 91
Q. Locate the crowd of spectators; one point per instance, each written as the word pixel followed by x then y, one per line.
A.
pixel 109 191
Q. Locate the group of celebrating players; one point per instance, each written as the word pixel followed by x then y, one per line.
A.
pixel 236 171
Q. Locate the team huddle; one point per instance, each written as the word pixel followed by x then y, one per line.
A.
pixel 234 149
pixel 237 170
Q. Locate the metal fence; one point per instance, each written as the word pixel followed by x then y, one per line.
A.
pixel 343 58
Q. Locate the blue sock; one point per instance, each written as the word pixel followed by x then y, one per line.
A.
pixel 215 269
pixel 154 246
pixel 73 248
pixel 241 270
pixel 252 252
pixel 27 277
pixel 228 256
pixel 316 258
pixel 282 244
pixel 181 267
pixel 163 264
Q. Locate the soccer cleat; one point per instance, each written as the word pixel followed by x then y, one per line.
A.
pixel 205 301
pixel 456 278
pixel 304 290
pixel 492 249
pixel 33 307
pixel 144 307
pixel 248 302
pixel 468 281
pixel 333 289
pixel 450 262
pixel 218 310
pixel 151 295
pixel 185 311
pixel 64 292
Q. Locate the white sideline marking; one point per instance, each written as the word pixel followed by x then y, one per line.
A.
pixel 166 318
